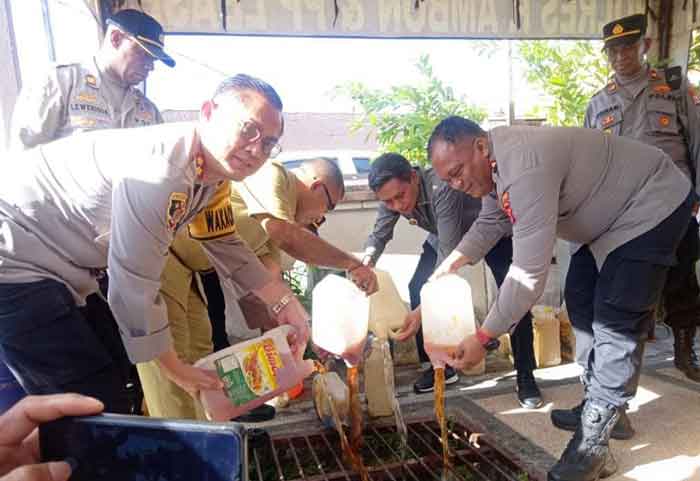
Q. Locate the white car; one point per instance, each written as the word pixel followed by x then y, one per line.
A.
pixel 354 164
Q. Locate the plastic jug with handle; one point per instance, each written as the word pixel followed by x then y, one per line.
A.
pixel 253 372
pixel 340 314
pixel 387 310
pixel 448 316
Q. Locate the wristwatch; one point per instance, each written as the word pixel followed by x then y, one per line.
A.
pixel 281 304
pixel 487 342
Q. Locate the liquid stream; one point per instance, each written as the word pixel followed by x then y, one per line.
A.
pixel 442 421
pixel 350 453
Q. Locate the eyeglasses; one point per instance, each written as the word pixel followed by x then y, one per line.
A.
pixel 250 132
pixel 624 50
pixel 329 202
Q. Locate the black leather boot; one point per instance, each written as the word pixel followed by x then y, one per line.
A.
pixel 568 419
pixel 685 358
pixel 587 455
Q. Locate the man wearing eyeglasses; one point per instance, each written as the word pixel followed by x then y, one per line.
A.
pixel 274 207
pixel 116 199
pixel 99 93
pixel 446 214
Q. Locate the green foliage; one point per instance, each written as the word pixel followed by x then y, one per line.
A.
pixel 297 279
pixel 404 116
pixel 694 54
pixel 569 72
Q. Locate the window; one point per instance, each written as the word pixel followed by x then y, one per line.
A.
pixel 361 164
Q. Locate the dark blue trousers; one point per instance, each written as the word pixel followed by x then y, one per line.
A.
pixel 611 310
pixel 51 347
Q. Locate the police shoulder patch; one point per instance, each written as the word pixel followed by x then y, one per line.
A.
pixel 506 207
pixel 662 89
pixel 216 219
pixel 177 207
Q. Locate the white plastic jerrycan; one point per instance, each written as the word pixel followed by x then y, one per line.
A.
pixel 448 316
pixel 253 372
pixel 340 314
pixel 386 309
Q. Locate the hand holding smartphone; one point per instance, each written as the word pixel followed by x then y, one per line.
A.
pixel 113 447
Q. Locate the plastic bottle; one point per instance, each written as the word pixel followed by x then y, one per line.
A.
pixel 448 316
pixel 552 289
pixel 379 379
pixel 547 346
pixel 387 310
pixel 340 314
pixel 326 388
pixel 253 372
pixel 566 336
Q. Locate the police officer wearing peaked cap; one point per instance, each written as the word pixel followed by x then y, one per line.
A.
pixel 146 31
pixel 656 107
pixel 98 93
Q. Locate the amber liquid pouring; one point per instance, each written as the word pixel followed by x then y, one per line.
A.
pixel 440 415
pixel 351 453
pixel 355 409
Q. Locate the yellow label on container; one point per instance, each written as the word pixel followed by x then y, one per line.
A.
pixel 260 362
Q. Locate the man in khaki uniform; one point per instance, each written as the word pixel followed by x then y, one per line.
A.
pixel 97 94
pixel 624 202
pixel 273 207
pixel 182 291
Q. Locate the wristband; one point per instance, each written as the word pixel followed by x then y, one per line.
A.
pixel 487 342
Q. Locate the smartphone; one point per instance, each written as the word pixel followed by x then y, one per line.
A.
pixel 115 447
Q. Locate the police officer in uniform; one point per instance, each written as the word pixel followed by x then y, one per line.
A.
pixel 115 199
pixel 659 108
pixel 655 107
pixel 446 214
pixel 97 94
pixel 624 202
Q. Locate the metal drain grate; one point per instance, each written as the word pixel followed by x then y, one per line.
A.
pixel 316 456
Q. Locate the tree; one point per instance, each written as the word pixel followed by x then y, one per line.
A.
pixel 404 116
pixel 694 54
pixel 569 72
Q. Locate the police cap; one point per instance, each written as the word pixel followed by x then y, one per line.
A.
pixel 625 31
pixel 145 30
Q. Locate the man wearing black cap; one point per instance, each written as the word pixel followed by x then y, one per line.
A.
pixel 658 108
pixel 98 94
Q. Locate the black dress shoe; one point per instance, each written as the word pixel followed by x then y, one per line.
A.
pixel 426 381
pixel 529 395
pixel 257 415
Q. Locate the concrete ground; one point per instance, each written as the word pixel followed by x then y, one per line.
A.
pixel 665 412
